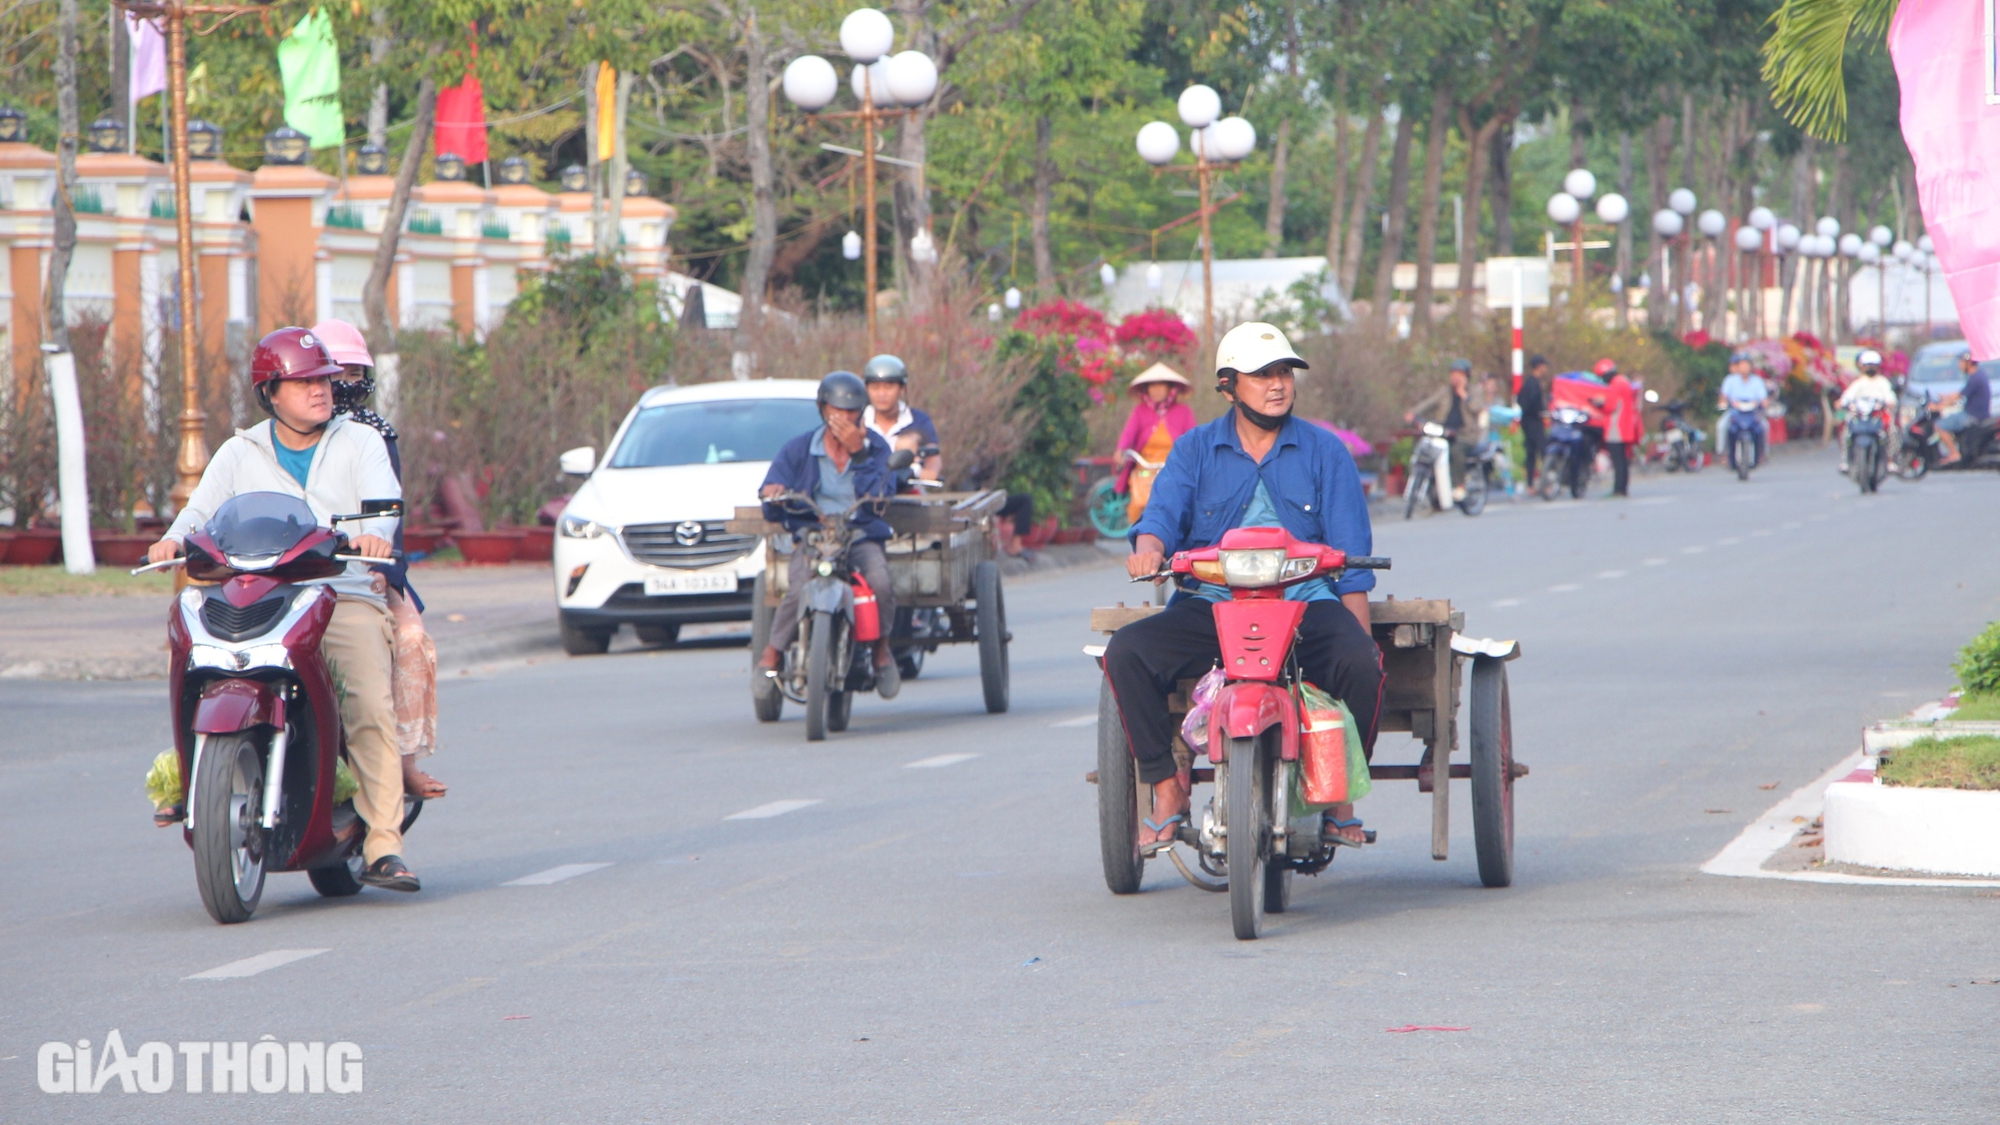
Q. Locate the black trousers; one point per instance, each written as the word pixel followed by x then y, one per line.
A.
pixel 1621 466
pixel 1533 439
pixel 1145 661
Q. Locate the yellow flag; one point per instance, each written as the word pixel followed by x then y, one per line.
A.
pixel 607 111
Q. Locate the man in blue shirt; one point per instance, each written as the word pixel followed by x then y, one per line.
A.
pixel 844 467
pixel 1977 395
pixel 1257 466
pixel 1744 390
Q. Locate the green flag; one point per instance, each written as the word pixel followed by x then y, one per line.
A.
pixel 310 63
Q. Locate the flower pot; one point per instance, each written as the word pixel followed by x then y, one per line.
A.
pixel 120 550
pixel 538 544
pixel 488 547
pixel 36 546
pixel 1039 534
pixel 425 539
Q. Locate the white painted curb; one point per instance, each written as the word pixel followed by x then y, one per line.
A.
pixel 1947 831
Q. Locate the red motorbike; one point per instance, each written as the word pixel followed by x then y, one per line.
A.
pixel 255 711
pixel 1254 727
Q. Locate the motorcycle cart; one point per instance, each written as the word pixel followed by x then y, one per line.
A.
pixel 946 574
pixel 1424 656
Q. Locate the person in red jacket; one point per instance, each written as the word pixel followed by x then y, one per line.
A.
pixel 1622 426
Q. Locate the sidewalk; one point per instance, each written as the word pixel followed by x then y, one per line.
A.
pixel 476 614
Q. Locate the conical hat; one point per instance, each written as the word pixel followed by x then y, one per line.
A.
pixel 1159 373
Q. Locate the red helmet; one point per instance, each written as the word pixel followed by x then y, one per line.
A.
pixel 1606 367
pixel 291 353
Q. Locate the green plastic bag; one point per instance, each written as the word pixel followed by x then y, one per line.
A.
pixel 1358 784
pixel 165 787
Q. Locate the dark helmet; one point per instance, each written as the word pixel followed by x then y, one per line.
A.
pixel 1740 357
pixel 885 369
pixel 843 390
pixel 291 353
pixel 1464 365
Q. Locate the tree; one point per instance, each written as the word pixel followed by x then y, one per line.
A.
pixel 1805 58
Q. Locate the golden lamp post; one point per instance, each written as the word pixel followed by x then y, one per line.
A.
pixel 1216 142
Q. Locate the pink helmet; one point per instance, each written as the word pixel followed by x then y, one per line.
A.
pixel 343 342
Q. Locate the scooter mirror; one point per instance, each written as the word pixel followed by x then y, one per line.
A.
pixel 902 459
pixel 391 508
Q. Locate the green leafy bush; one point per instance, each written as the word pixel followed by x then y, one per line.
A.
pixel 1978 665
pixel 1050 408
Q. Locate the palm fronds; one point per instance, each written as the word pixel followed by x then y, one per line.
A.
pixel 1803 58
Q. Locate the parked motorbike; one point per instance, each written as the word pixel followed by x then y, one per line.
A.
pixel 833 656
pixel 1868 448
pixel 1570 456
pixel 1681 442
pixel 1745 423
pixel 256 714
pixel 1247 831
pixel 1429 480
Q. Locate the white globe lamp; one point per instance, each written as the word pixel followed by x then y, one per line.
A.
pixel 1158 142
pixel 1747 239
pixel 1011 298
pixel 1155 277
pixel 1682 201
pixel 1667 223
pixel 912 77
pixel 811 82
pixel 877 84
pixel 1870 254
pixel 1580 183
pixel 1612 208
pixel 1851 244
pixel 1564 208
pixel 1788 237
pixel 1882 237
pixel 1200 106
pixel 1827 227
pixel 1925 244
pixel 866 35
pixel 1763 218
pixel 1108 274
pixel 1235 138
pixel 1712 223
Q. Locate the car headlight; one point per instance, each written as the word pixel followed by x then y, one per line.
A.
pixel 576 527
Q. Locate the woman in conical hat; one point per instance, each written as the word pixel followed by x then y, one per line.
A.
pixel 1159 417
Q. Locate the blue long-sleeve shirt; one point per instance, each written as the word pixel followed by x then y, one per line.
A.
pixel 797 468
pixel 1208 483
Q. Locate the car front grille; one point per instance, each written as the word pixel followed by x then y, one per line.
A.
pixel 660 545
pixel 235 623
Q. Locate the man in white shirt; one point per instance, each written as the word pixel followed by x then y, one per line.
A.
pixel 333 464
pixel 1870 387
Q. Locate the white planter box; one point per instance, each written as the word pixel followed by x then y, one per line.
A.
pixel 1945 831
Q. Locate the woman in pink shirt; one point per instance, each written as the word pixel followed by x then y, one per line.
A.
pixel 1159 417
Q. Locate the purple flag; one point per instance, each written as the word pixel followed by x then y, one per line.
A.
pixel 149 58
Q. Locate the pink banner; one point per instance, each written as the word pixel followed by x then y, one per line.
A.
pixel 1951 121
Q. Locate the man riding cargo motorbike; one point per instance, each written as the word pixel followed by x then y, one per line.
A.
pixel 843 467
pixel 338 466
pixel 1257 466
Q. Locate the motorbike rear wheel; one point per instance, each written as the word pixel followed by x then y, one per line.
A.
pixel 839 708
pixel 1415 488
pixel 229 837
pixel 338 880
pixel 1248 845
pixel 1691 458
pixel 819 673
pixel 1121 799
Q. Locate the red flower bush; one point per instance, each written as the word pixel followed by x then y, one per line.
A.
pixel 1064 318
pixel 1154 334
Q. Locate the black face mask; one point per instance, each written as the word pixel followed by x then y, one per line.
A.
pixel 1265 422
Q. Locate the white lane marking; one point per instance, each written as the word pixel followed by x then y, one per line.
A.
pixel 1079 721
pixel 251 966
pixel 774 808
pixel 1503 603
pixel 555 875
pixel 948 759
pixel 1565 588
pixel 1693 550
pixel 1655 562
pixel 1611 574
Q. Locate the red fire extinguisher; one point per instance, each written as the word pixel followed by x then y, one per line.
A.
pixel 867 620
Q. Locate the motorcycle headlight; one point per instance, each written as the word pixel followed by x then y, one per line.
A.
pixel 825 569
pixel 1432 429
pixel 576 527
pixel 1253 568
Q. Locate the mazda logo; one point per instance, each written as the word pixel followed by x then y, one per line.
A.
pixel 688 533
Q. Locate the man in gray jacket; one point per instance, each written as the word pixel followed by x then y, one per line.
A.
pixel 333 464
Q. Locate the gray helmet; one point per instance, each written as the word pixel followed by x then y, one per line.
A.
pixel 885 369
pixel 843 390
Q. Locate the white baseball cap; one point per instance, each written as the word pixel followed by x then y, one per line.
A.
pixel 1254 346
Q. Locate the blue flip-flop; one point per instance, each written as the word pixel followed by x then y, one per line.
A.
pixel 1338 840
pixel 1160 845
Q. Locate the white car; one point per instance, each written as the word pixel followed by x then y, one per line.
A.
pixel 643 540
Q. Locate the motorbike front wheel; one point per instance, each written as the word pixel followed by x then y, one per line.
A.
pixel 1555 469
pixel 1476 487
pixel 1413 491
pixel 1745 456
pixel 1248 845
pixel 1913 465
pixel 1862 464
pixel 1691 458
pixel 229 835
pixel 819 673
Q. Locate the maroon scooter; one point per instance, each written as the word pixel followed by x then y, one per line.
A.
pixel 255 707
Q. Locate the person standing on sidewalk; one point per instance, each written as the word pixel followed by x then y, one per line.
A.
pixel 1532 397
pixel 1622 427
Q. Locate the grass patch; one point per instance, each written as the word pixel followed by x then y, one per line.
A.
pixel 1977 708
pixel 1947 763
pixel 44 581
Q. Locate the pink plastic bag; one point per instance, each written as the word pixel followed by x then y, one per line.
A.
pixel 1201 703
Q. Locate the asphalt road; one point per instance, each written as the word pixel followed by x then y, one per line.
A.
pixel 936 944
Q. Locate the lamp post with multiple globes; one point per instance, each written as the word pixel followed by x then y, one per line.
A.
pixel 1216 143
pixel 886 86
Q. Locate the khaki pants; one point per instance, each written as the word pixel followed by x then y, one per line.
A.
pixel 360 642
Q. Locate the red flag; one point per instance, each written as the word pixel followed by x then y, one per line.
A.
pixel 461 119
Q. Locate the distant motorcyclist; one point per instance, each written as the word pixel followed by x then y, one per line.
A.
pixel 1464 417
pixel 1869 386
pixel 333 463
pixel 1977 397
pixel 1157 421
pixel 844 467
pixel 899 423
pixel 1744 391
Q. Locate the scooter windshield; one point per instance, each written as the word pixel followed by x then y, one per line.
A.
pixel 260 525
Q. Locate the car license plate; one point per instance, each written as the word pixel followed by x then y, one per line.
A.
pixel 692 582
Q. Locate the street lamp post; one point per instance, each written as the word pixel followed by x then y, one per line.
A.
pixel 1749 240
pixel 192 457
pixel 1763 220
pixel 886 86
pixel 1216 144
pixel 1879 241
pixel 1681 202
